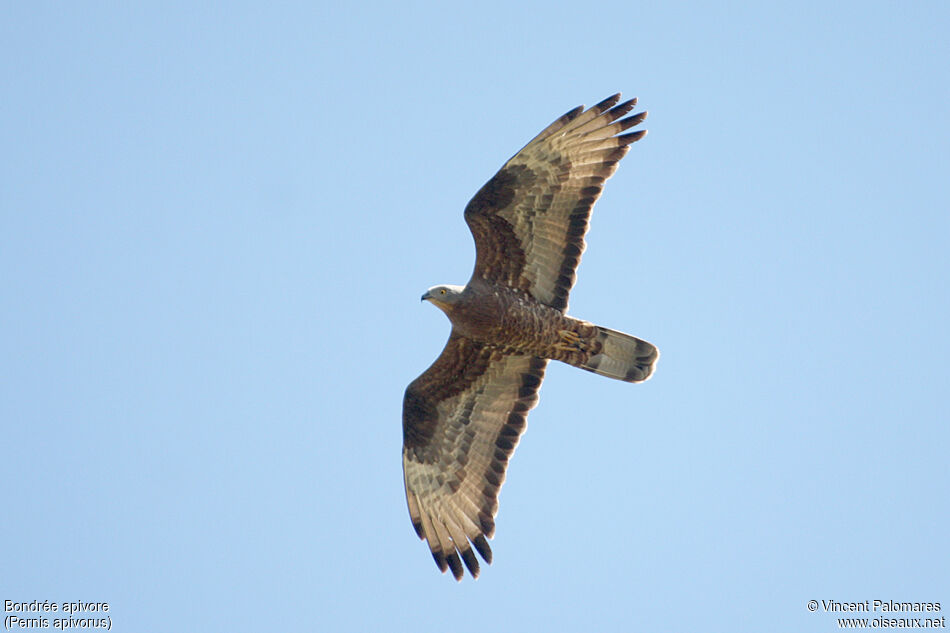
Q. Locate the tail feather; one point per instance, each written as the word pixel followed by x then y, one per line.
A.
pixel 621 356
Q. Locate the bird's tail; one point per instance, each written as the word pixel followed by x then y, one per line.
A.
pixel 621 356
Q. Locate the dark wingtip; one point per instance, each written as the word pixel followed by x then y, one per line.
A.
pixel 455 565
pixel 483 548
pixel 635 119
pixel 487 523
pixel 440 561
pixel 632 137
pixel 607 103
pixel 468 557
pixel 571 114
pixel 621 109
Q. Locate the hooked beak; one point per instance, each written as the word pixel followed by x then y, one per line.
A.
pixel 426 296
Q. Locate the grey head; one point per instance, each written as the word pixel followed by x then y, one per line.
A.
pixel 443 297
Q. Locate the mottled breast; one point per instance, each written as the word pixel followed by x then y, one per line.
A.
pixel 505 317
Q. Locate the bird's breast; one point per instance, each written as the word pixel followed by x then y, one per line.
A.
pixel 498 316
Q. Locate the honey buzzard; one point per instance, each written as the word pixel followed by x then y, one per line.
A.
pixel 463 417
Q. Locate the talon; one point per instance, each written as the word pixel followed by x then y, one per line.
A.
pixel 569 336
pixel 570 341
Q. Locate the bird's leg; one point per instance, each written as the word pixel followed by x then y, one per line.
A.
pixel 570 341
pixel 569 336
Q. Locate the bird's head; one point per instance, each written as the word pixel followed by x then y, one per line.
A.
pixel 443 297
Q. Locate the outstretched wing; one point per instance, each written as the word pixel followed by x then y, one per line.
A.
pixel 462 419
pixel 529 220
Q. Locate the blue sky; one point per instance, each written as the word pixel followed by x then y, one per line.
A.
pixel 215 224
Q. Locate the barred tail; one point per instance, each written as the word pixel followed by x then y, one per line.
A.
pixel 621 356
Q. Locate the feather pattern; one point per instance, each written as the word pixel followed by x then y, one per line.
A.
pixel 457 442
pixel 530 219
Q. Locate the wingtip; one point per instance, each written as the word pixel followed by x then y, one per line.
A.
pixel 484 549
pixel 632 137
pixel 571 114
pixel 471 562
pixel 455 564
pixel 439 559
pixel 608 103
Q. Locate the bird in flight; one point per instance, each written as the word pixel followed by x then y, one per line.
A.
pixel 463 417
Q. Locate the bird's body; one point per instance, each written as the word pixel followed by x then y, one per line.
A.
pixel 500 316
pixel 463 417
pixel 510 320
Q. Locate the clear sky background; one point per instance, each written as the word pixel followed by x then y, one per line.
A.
pixel 216 221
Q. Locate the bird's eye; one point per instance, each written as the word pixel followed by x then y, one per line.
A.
pixel 442 292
